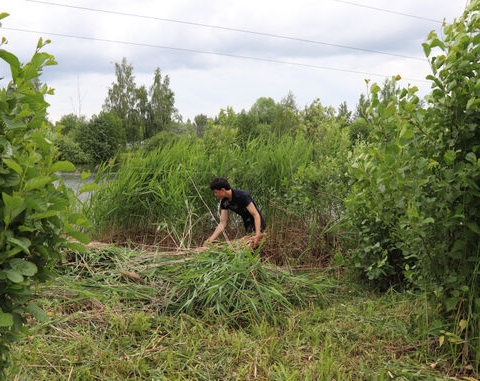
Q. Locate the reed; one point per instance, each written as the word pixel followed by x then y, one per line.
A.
pixel 234 282
pixel 162 195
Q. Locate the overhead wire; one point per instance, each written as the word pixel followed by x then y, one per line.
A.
pixel 388 11
pixel 187 50
pixel 238 30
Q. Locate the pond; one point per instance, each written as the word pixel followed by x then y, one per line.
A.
pixel 73 180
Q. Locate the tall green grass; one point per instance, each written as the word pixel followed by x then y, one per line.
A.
pixel 163 195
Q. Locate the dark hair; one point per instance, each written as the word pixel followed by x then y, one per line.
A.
pixel 219 183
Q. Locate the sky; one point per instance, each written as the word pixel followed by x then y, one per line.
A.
pixel 220 54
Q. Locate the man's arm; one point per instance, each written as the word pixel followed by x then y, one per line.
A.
pixel 220 227
pixel 258 223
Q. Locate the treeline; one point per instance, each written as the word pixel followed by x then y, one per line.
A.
pixel 133 115
pixel 130 114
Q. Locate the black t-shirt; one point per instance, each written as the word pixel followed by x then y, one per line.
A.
pixel 239 203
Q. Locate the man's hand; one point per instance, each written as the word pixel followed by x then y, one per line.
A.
pixel 256 241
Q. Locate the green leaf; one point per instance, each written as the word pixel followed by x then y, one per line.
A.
pixel 37 312
pixel 472 102
pixel 38 182
pixel 42 215
pixel 10 179
pixel 473 227
pixel 90 187
pixel 449 156
pixel 83 238
pixel 426 49
pixel 24 267
pixel 35 202
pixel 375 89
pixel 13 206
pixel 406 132
pixel 20 242
pixel 75 246
pixel 12 60
pixel 63 166
pixel 13 165
pixel 6 319
pixel 85 175
pixel 14 276
pixel 437 43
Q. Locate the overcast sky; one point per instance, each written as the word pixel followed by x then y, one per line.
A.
pixel 225 53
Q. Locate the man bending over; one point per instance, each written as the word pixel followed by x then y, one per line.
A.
pixel 239 202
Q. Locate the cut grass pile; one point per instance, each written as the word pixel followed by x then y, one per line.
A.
pixel 118 314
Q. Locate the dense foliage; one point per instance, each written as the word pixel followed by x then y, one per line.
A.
pixel 36 211
pixel 414 199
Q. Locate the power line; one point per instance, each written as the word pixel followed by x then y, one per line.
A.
pixel 218 27
pixel 209 53
pixel 387 11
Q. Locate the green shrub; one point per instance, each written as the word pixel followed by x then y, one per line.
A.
pixel 101 138
pixel 71 151
pixel 36 212
pixel 415 198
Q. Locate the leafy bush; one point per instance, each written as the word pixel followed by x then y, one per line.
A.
pixel 71 151
pixel 36 212
pixel 101 138
pixel 415 196
pixel 386 177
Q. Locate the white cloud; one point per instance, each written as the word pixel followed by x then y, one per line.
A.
pixel 205 83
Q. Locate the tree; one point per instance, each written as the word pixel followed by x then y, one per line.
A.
pixel 415 200
pixel 289 102
pixel 162 104
pixel 264 110
pixel 226 118
pixel 102 137
pixel 287 119
pixel 122 100
pixel 142 112
pixel 451 266
pixel 70 123
pixel 315 116
pixel 389 90
pixel 361 108
pixel 344 116
pixel 246 127
pixel 36 209
pixel 201 123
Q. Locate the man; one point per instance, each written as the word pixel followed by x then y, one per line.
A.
pixel 241 203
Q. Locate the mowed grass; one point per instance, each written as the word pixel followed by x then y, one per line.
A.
pixel 111 318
